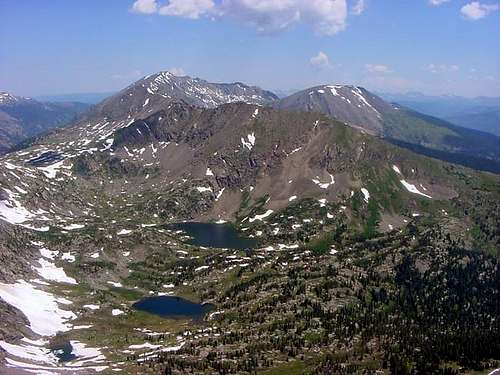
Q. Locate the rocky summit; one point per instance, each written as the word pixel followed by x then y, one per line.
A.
pixel 348 253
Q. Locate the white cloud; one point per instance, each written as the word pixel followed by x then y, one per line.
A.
pixel 442 68
pixel 321 60
pixel 437 2
pixel 476 10
pixel 179 72
pixel 145 6
pixel 359 7
pixel 326 17
pixel 377 68
pixel 187 8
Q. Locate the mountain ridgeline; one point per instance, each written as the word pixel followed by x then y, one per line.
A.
pixel 421 133
pixel 365 256
pixel 352 105
pixel 22 118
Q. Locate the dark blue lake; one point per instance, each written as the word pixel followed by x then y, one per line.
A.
pixel 172 307
pixel 215 235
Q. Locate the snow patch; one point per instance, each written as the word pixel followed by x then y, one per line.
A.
pixel 260 217
pixel 366 194
pixel 251 141
pixel 50 272
pixel 413 189
pixel 40 307
pixel 396 169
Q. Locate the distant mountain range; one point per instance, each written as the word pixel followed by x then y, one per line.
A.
pixel 480 113
pixel 86 97
pixel 22 118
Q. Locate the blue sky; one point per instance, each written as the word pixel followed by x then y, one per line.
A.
pixel 432 46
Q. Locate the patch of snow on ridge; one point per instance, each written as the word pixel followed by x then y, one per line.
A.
pixel 108 144
pixel 12 211
pixel 92 307
pixel 359 94
pixel 32 353
pixel 219 194
pixel 260 217
pixel 50 272
pixel 366 194
pixel 251 141
pixel 51 171
pixel 68 256
pixel 333 90
pixel 324 185
pixel 413 189
pixel 40 307
pixel 73 226
pixel 396 169
pixel 84 354
pixel 202 189
pixel 146 345
pixel 209 172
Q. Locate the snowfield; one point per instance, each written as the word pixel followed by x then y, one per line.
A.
pixel 41 308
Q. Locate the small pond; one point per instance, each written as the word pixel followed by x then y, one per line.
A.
pixel 215 235
pixel 172 307
pixel 64 352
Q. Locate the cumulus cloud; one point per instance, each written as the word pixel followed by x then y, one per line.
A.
pixel 377 68
pixel 179 72
pixel 475 10
pixel 359 7
pixel 326 17
pixel 145 6
pixel 321 60
pixel 437 2
pixel 187 8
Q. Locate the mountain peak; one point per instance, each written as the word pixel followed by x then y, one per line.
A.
pixel 351 104
pixel 157 90
pixel 7 98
